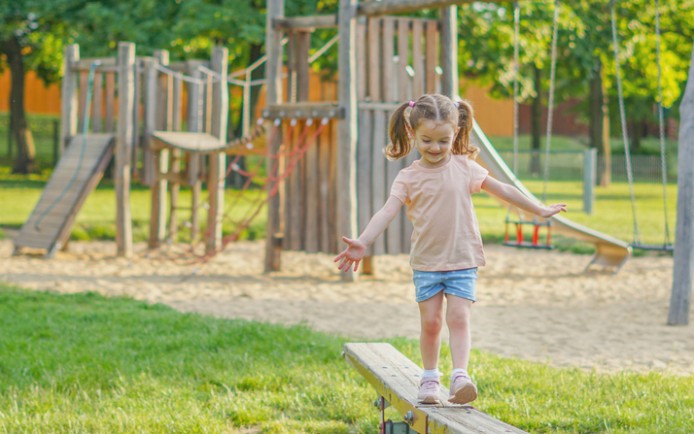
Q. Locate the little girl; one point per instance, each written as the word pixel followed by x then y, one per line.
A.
pixel 446 242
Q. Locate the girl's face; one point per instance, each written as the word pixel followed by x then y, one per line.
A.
pixel 434 140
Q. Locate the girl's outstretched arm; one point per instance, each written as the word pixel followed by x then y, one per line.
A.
pixel 356 248
pixel 513 196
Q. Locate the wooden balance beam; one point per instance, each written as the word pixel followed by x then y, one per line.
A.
pixel 396 379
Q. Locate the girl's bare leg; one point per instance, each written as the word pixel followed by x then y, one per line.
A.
pixel 431 316
pixel 458 320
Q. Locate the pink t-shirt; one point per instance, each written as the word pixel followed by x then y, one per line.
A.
pixel 446 234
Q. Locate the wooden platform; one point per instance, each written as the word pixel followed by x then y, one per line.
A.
pixel 76 175
pixel 190 142
pixel 396 378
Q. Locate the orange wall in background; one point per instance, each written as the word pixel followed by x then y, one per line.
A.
pixel 494 116
pixel 37 97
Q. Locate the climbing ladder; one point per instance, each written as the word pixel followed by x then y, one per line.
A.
pixel 76 175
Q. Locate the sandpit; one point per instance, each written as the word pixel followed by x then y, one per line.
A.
pixel 533 305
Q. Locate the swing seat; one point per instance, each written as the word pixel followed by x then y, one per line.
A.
pixel 665 247
pixel 535 240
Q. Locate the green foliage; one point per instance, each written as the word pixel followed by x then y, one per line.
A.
pixel 84 363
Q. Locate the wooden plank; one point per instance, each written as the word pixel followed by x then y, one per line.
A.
pixel 97 101
pixel 324 179
pixel 449 51
pixel 364 142
pixel 404 92
pixel 379 123
pixel 110 102
pixel 396 378
pixel 123 151
pixel 306 23
pixel 138 140
pixel 312 239
pixel 84 85
pixel 382 7
pixel 175 163
pixel 432 57
pixel 151 166
pixel 304 110
pixel 391 92
pixel 217 161
pixel 194 117
pixel 346 218
pixel 418 58
pixel 68 101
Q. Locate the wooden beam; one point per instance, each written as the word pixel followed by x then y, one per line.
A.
pixel 308 110
pixel 307 23
pixel 273 48
pixel 217 161
pixel 347 129
pixel 683 268
pixel 123 151
pixel 396 379
pixel 449 51
pixel 68 109
pixel 400 6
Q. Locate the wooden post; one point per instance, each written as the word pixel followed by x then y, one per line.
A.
pixel 273 68
pixel 449 51
pixel 217 161
pixel 683 269
pixel 347 128
pixel 150 107
pixel 590 157
pixel 123 152
pixel 175 164
pixel 194 162
pixel 68 109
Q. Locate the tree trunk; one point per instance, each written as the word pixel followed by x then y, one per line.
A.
pixel 595 107
pixel 598 128
pixel 536 122
pixel 19 129
pixel 634 129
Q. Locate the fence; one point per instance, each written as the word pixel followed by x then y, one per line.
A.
pixel 568 166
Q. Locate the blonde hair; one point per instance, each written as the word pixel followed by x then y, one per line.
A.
pixel 435 107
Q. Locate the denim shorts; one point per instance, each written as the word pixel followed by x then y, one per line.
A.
pixel 461 283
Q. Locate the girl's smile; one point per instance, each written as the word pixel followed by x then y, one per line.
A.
pixel 434 140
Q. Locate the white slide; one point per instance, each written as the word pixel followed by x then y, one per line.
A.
pixel 609 251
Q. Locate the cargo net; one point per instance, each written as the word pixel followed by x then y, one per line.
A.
pixel 261 181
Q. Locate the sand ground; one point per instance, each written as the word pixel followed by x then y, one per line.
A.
pixel 534 305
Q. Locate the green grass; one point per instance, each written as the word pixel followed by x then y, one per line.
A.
pixel 85 363
pixel 19 194
pixel 612 211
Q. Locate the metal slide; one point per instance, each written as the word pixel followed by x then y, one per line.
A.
pixel 609 251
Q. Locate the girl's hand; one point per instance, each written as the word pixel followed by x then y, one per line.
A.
pixel 352 255
pixel 550 210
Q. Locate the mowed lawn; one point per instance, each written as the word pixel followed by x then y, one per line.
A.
pixel 612 213
pixel 85 363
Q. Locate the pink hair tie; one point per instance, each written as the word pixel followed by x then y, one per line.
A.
pixel 411 103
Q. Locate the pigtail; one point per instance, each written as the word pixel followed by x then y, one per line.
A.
pixel 461 144
pixel 400 143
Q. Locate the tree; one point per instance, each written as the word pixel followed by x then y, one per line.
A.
pixel 31 38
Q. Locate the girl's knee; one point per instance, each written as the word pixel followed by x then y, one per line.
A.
pixel 432 324
pixel 458 320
